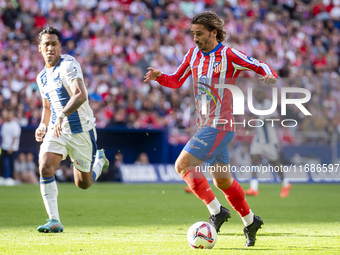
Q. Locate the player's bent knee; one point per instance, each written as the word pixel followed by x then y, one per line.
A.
pixel 46 170
pixel 180 167
pixel 48 163
pixel 223 183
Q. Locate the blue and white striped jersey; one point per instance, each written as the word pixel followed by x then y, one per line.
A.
pixel 54 84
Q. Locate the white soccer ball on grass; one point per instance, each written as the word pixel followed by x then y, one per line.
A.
pixel 202 235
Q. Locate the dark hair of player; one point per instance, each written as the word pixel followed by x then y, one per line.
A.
pixel 211 21
pixel 50 31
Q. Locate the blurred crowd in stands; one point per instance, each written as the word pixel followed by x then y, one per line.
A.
pixel 116 40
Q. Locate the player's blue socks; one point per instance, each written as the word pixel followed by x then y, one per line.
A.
pixel 94 176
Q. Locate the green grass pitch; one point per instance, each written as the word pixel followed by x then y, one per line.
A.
pixel 154 219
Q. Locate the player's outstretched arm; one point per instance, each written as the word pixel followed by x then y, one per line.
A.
pixel 243 62
pixel 269 79
pixel 152 74
pixel 45 118
pixel 78 97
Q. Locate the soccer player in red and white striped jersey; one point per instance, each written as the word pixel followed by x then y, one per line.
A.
pixel 211 63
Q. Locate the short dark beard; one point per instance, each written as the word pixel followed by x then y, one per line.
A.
pixel 56 61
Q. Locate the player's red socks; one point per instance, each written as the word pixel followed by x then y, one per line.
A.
pixel 199 185
pixel 236 198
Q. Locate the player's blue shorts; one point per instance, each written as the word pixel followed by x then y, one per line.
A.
pixel 210 145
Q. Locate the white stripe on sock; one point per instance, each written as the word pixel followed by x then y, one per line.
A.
pixel 214 207
pixel 248 219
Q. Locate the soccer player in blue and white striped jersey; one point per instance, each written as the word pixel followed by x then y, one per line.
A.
pixel 71 125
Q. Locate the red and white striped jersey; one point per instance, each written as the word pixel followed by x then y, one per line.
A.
pixel 222 65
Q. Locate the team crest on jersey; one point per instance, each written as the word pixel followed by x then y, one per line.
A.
pixel 58 81
pixel 217 67
pixel 59 84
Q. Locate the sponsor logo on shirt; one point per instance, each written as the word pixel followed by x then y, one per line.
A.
pixel 74 73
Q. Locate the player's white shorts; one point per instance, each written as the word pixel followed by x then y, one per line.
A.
pixel 80 147
pixel 269 150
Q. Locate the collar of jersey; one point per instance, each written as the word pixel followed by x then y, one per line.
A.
pixel 219 45
pixel 58 64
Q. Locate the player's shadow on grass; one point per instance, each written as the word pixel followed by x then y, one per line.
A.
pixel 276 234
pixel 273 249
pixel 245 249
pixel 291 234
pixel 322 248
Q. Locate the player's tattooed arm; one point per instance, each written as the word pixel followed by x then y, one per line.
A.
pixel 77 99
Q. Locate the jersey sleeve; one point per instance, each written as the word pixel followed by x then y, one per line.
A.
pixel 72 71
pixel 241 62
pixel 177 79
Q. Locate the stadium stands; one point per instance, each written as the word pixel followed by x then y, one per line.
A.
pixel 115 41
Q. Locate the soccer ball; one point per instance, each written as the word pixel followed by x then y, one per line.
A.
pixel 202 235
